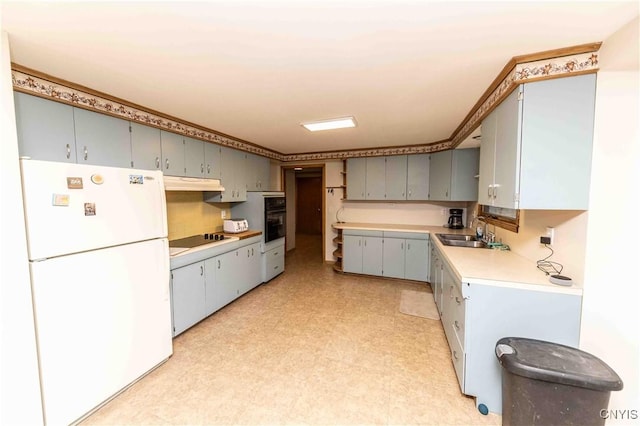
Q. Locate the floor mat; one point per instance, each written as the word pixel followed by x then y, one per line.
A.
pixel 419 304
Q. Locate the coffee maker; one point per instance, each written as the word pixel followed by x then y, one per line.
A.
pixel 455 219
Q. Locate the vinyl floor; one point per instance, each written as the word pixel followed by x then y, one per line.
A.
pixel 310 347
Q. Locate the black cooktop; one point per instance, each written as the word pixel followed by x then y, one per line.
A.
pixel 197 240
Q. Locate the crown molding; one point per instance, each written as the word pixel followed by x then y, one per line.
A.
pixel 557 63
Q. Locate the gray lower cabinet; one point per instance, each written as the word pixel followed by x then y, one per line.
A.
pixel 101 139
pixel 362 254
pixel 146 148
pixel 202 288
pixel 406 257
pixel 273 263
pixel 45 129
pixel 475 316
pixel 385 253
pixel 188 297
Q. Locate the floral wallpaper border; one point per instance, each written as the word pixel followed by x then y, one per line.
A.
pixel 524 72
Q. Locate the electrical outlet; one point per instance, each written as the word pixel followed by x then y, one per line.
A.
pixel 223 214
pixel 549 234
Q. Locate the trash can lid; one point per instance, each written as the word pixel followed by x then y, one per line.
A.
pixel 555 363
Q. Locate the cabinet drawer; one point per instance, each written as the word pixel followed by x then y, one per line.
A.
pixel 457 317
pixel 273 263
pixel 406 235
pixel 458 359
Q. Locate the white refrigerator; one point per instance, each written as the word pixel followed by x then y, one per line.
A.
pixel 99 263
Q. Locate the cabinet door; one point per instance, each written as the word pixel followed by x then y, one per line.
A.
pixel 213 297
pixel 241 175
pixel 507 152
pixel 258 172
pixel 251 267
pixel 393 257
pixel 146 152
pixel 440 176
pixel 45 129
pixel 418 177
pixel 557 143
pixel 212 160
pixel 416 264
pixel 227 267
pixel 487 159
pixel 372 255
pixel 352 254
pixel 101 139
pixel 375 178
pixel 172 153
pixel 356 178
pixel 396 177
pixel 193 157
pixel 188 296
pixel 464 175
pixel 228 174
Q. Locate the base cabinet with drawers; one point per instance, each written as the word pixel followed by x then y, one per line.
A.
pixel 476 315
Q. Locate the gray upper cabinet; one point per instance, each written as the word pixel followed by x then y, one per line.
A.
pixel 440 175
pixel 45 129
pixel 453 175
pixel 233 177
pixel 258 173
pixel 146 152
pixel 193 157
pixel 101 139
pixel 540 138
pixel 356 178
pixel 395 178
pixel 375 178
pixel 418 177
pixel 212 157
pixel 172 153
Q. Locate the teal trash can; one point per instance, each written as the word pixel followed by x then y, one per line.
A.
pixel 546 383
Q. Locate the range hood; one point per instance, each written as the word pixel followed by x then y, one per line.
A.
pixel 178 183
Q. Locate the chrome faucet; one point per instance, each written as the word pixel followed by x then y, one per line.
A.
pixel 484 228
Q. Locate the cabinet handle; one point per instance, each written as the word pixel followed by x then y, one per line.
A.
pixel 248 253
pixel 408 246
pixel 455 355
pixel 275 254
pixel 218 263
pixel 166 164
pixel 208 169
pixel 201 270
pixel 275 267
pixel 446 194
pixel 86 153
pixel 201 168
pixel 457 300
pixel 456 325
pixel 495 192
pixel 489 192
pixel 402 246
pixel 68 151
pixel 157 162
pixel 251 251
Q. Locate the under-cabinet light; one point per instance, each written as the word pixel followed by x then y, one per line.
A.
pixel 335 123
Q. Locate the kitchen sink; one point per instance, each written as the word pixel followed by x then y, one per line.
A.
pixel 461 241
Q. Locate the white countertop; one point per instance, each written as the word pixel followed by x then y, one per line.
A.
pixel 479 266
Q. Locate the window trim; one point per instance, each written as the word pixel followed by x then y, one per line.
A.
pixel 508 223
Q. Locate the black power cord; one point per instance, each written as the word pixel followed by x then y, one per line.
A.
pixel 548 266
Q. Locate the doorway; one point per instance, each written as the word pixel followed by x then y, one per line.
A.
pixel 305 209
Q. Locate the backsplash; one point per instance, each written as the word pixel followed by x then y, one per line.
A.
pixel 188 215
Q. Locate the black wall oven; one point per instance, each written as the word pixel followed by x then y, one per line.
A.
pixel 275 224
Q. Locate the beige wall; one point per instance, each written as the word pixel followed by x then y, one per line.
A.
pixel 610 312
pixel 188 215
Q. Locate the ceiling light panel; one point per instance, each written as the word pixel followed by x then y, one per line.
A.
pixel 334 123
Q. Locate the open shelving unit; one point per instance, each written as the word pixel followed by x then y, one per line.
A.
pixel 337 253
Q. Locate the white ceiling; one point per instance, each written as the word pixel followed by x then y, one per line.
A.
pixel 409 71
